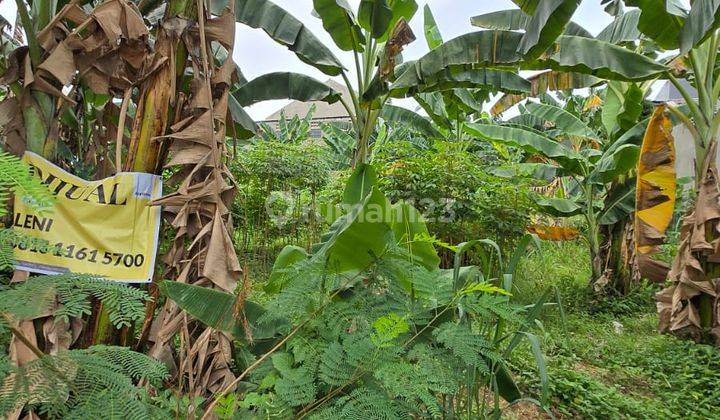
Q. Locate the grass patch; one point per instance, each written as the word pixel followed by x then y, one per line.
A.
pixel 607 360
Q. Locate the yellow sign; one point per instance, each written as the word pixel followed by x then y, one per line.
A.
pixel 105 228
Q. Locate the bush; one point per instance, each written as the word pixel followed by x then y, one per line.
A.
pixel 278 183
pixel 449 185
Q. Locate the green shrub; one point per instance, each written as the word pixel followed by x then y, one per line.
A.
pixel 450 186
pixel 277 183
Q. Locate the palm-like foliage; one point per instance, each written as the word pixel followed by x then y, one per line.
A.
pixel 587 165
pixel 367 325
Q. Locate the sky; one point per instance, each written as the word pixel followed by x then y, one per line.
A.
pixel 256 53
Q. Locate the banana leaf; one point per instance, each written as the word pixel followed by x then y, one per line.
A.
pixel 660 20
pixel 515 20
pixel 282 85
pixel 619 202
pixel 565 121
pixel 379 17
pixel 339 21
pixel 703 19
pixel 598 58
pixel 216 309
pixel 543 82
pixel 285 29
pixel 548 21
pixel 532 142
pixel 559 207
pixel 433 37
pixel 611 165
pixel 416 121
pixel 622 29
pixel 359 185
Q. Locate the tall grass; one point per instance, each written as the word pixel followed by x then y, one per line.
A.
pixel 564 265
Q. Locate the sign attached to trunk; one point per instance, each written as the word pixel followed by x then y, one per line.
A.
pixel 105 228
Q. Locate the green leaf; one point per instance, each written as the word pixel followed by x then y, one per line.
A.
pixel 515 20
pixel 374 16
pixel 416 121
pixel 619 162
pixel 659 22
pixel 285 29
pixel 464 100
pixel 339 21
pixel 461 249
pixel 507 20
pixel 359 185
pixel 704 18
pixel 379 17
pixel 540 362
pixel 432 32
pixel 546 24
pixel 614 97
pixel 507 388
pixel 484 287
pixel 283 85
pixel 407 224
pixel 289 255
pixel 357 239
pixel 559 207
pixel 434 104
pixel 484 48
pixel 542 171
pixel 632 136
pixel 598 58
pixel 619 203
pixel 567 122
pixel 216 309
pixel 489 79
pixel 244 127
pixel 622 29
pixel 527 6
pixel 632 107
pixel 521 250
pixel 532 142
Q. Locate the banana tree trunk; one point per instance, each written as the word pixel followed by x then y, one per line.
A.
pixel 618 256
pixel 689 306
pixel 202 252
pixel 157 96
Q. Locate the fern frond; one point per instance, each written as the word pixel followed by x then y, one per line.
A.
pixel 17 177
pixel 366 403
pixel 69 296
pixel 467 346
pixel 98 382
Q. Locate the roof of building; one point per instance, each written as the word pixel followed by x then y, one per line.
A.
pixel 665 91
pixel 323 111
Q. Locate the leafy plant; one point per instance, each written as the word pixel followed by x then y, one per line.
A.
pixel 375 33
pixel 367 323
pixel 90 383
pixel 587 165
pixel 455 192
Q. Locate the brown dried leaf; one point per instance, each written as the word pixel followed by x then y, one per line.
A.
pixel 60 64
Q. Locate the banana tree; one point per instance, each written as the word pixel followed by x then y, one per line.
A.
pixel 118 86
pixel 374 35
pixel 577 154
pixel 455 100
pixel 689 305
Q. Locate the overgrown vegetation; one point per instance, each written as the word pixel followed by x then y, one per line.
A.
pixel 443 262
pixel 605 359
